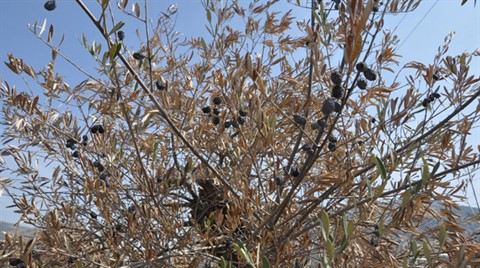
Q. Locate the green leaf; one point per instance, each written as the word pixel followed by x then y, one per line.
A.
pixel 381 168
pixel 351 228
pixel 442 235
pixel 84 40
pixel 369 188
pixel 379 190
pixel 425 173
pixel 406 198
pixel 105 3
pixel 204 45
pixel 223 263
pixel 344 223
pixel 435 169
pixel 117 27
pixel 114 50
pixel 242 251
pixel 405 262
pixel 317 17
pixel 209 15
pixel 330 249
pixel 325 224
pixel 426 249
pixel 188 166
pixel 463 59
pixel 265 262
pixel 414 247
pixel 155 148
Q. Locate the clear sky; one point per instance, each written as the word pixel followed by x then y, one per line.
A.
pixel 421 33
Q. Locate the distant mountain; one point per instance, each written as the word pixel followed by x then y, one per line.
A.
pixel 469 218
pixel 6 227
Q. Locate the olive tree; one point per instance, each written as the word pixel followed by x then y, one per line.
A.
pixel 273 141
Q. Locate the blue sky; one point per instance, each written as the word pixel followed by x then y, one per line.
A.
pixel 421 33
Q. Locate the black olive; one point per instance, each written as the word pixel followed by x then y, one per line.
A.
pixel 15 261
pixel 431 98
pixel 93 215
pixel 278 181
pixel 94 129
pixel 121 35
pixel 85 138
pixel 294 171
pixel 436 95
pixel 332 146
pixel 235 123
pixel 76 154
pixel 310 152
pixel 361 66
pixel 337 92
pixel 50 5
pixel 101 130
pixel 72 259
pixel 299 119
pixel 240 120
pixel 298 264
pixel 104 176
pixel 138 56
pixel 425 103
pixel 328 106
pixel 375 9
pixel 217 100
pixel 215 120
pixel 242 112
pixel 370 74
pixel 84 143
pixel 216 111
pixel 332 139
pixel 322 123
pixel 306 147
pixel 160 85
pixel 227 124
pixel 338 107
pixel 361 83
pixel 336 78
pixel 101 168
pixel 206 109
pixel 131 209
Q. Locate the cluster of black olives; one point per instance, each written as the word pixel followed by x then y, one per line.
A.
pixel 332 143
pixel 237 122
pixel 97 129
pixel 431 98
pixel 368 73
pixel 216 111
pixel 72 145
pixel 307 148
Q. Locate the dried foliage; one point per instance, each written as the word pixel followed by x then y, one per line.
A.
pixel 231 149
